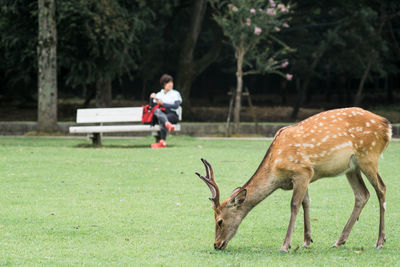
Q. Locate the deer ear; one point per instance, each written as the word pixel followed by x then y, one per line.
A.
pixel 238 198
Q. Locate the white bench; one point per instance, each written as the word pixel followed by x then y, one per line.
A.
pixel 113 120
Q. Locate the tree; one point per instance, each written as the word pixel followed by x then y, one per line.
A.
pixel 190 67
pixel 100 42
pixel 47 62
pixel 18 50
pixel 251 27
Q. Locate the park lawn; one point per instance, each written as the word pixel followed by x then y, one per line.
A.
pixel 65 203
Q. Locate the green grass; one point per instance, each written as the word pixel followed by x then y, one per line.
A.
pixel 63 202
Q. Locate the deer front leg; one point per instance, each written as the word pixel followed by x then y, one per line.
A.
pixel 299 191
pixel 307 226
pixel 361 195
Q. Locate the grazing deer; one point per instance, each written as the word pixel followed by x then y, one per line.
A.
pixel 328 144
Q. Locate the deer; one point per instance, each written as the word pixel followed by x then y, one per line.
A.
pixel 340 141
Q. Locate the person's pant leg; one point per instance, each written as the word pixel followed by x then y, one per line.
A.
pixel 162 119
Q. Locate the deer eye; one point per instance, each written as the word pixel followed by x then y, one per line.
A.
pixel 219 223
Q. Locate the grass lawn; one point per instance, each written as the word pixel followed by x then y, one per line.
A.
pixel 63 202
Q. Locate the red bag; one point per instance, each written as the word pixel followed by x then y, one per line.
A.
pixel 148 113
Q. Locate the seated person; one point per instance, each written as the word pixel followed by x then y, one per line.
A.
pixel 170 99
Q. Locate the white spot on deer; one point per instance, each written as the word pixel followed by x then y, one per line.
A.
pixel 350 116
pixel 347 124
pixel 373 143
pixel 321 124
pixel 290 158
pixel 279 151
pixel 361 142
pixel 332 116
pixel 373 121
pixel 297 145
pixel 367 124
pixel 278 160
pixel 325 138
pixel 334 136
pixel 352 135
pixel 318 144
pixel 305 156
pixel 359 129
pixel 308 145
pixel 345 134
pixel 344 113
pixel 324 118
pixel 312 131
pixel 313 140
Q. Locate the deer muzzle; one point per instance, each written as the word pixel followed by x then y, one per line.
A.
pixel 220 245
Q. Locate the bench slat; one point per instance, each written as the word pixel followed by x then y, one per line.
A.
pixel 118 128
pixel 98 115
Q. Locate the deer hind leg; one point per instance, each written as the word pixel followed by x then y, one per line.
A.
pixel 371 172
pixel 361 196
pixel 299 191
pixel 307 226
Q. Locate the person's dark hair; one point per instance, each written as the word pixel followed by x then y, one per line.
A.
pixel 165 78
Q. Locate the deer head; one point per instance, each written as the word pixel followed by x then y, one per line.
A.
pixel 228 214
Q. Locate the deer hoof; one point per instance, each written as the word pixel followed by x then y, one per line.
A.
pixel 283 251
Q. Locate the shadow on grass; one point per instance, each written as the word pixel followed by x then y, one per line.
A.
pixel 274 251
pixel 117 146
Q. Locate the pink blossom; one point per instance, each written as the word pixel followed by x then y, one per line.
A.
pixel 277 29
pixel 283 8
pixel 289 77
pixel 271 11
pixel 252 11
pixel 271 2
pixel 285 25
pixel 285 64
pixel 257 30
pixel 248 22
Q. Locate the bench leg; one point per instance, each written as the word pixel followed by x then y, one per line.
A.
pixel 96 139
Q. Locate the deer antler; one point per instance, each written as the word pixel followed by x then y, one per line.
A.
pixel 210 182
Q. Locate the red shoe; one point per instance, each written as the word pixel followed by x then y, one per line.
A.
pixel 169 126
pixel 160 144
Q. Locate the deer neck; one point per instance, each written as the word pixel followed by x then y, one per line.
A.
pixel 260 186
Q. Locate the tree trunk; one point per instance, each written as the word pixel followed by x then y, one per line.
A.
pixel 103 93
pixel 47 65
pixel 303 89
pixel 384 19
pixel 186 69
pixel 358 98
pixel 239 88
